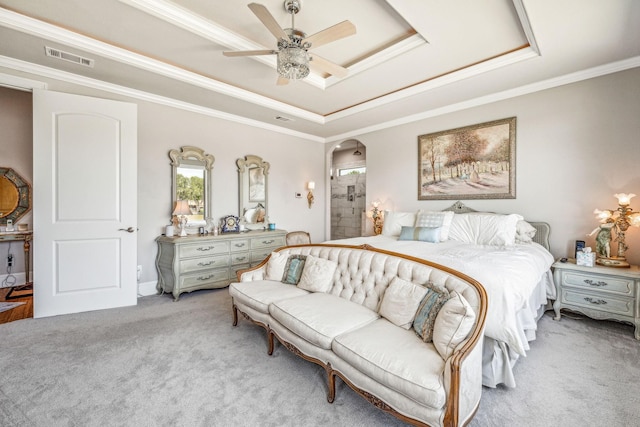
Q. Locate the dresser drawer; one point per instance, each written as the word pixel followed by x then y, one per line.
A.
pixel 203 263
pixel 239 245
pixel 203 278
pixel 240 258
pixel 598 301
pixel 202 249
pixel 267 242
pixel 619 285
pixel 259 255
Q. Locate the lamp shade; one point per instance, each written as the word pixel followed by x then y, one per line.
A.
pixel 624 199
pixel 182 208
pixel 311 185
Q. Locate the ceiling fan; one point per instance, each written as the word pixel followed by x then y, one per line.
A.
pixel 294 58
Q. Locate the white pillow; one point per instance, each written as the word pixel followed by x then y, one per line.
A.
pixel 317 274
pixel 274 270
pixel 393 222
pixel 435 219
pixel 400 302
pixel 484 229
pixel 453 323
pixel 524 232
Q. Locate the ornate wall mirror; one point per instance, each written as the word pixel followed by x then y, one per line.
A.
pixel 191 181
pixel 15 196
pixel 253 191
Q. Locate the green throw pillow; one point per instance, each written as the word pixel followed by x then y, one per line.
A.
pixel 293 269
pixel 428 311
pixel 422 234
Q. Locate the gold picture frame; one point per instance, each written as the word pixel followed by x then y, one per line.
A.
pixel 470 162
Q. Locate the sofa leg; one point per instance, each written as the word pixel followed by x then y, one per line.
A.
pixel 270 342
pixel 331 383
pixel 235 314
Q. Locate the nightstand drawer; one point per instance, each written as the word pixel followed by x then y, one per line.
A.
pixel 203 249
pixel 203 278
pixel 618 285
pixel 204 263
pixel 598 301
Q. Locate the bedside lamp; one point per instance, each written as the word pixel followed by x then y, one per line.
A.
pixel 377 217
pixel 310 186
pixel 619 221
pixel 181 209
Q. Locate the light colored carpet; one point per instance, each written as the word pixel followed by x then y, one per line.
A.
pixel 166 363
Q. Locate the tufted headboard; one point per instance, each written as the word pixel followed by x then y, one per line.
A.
pixel 543 229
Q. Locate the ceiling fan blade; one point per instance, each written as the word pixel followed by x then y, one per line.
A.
pixel 268 20
pixel 338 31
pixel 282 81
pixel 328 66
pixel 248 52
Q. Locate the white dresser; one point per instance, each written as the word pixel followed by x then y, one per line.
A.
pixel 599 292
pixel 190 263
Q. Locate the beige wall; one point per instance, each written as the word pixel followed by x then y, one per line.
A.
pixel 576 146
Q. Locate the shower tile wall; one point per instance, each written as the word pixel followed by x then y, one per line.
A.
pixel 348 195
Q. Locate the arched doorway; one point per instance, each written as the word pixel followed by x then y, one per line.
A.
pixel 348 181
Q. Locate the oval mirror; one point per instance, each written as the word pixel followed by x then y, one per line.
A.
pixel 253 191
pixel 191 182
pixel 15 196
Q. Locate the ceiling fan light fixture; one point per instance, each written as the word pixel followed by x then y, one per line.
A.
pixel 293 63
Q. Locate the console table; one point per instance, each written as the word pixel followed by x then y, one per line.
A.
pixel 186 264
pixel 26 237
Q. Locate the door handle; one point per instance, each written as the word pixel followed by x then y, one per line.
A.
pixel 128 230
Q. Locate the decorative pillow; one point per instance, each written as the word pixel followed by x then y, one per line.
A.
pixel 423 234
pixel 274 270
pixel 436 219
pixel 453 323
pixel 524 232
pixel 317 274
pixel 401 301
pixel 293 269
pixel 484 228
pixel 428 310
pixel 393 222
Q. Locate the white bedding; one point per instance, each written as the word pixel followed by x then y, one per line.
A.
pixel 508 273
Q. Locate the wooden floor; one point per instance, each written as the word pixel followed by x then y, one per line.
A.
pixel 21 312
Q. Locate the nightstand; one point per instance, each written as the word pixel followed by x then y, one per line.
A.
pixel 598 292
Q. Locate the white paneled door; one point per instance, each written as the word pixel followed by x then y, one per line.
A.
pixel 84 203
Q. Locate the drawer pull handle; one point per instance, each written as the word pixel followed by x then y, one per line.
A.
pixel 205 278
pixel 595 301
pixel 268 242
pixel 206 249
pixel 204 264
pixel 593 283
pixel 242 258
pixel 239 245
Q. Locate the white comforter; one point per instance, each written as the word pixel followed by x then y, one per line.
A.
pixel 509 274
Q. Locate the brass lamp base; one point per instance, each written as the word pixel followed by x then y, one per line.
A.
pixel 613 262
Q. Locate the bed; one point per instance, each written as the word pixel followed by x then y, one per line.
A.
pixel 509 256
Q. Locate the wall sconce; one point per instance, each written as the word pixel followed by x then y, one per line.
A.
pixel 310 186
pixel 181 209
pixel 378 218
pixel 619 221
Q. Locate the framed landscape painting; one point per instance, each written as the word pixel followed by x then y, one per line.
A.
pixel 472 162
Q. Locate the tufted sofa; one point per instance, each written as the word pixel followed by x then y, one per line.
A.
pixel 345 328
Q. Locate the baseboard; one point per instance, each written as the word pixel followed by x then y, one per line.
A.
pixel 20 279
pixel 147 288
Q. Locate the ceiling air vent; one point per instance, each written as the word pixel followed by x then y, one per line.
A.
pixel 284 119
pixel 66 56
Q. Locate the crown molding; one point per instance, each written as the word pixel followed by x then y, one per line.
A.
pixel 38 28
pixel 51 73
